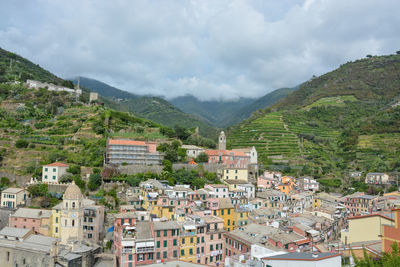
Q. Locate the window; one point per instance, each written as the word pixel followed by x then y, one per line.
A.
pixel 56 219
pixel 175 243
pixel 215 212
pixel 212 237
pixel 222 212
pixel 56 229
pixel 175 253
pixel 183 240
pixel 202 249
pixel 46 169
pixel 211 247
pixel 202 239
pixel 198 240
pixel 73 223
pixel 130 257
pixel 65 223
pixel 158 244
pixel 229 211
pixel 191 240
pixel 165 232
pixel 165 243
pixel 54 177
pixel 54 169
pixel 158 233
pixel 182 252
pixel 158 255
pixel 45 177
pixel 73 204
pixel 191 251
pixel 164 254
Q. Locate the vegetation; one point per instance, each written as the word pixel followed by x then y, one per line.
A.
pixel 387 260
pixel 342 121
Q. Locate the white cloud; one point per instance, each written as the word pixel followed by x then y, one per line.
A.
pixel 220 49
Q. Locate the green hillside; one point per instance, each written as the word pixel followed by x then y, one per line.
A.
pixel 344 120
pixel 40 126
pixel 152 108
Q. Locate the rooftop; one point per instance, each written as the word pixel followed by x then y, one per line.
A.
pixel 13 190
pixel 32 213
pixel 143 230
pixel 165 225
pixel 303 256
pixel 176 264
pixel 14 232
pixel 57 164
pixel 225 203
pixel 126 142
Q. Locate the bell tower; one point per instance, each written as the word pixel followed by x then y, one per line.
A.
pixel 222 141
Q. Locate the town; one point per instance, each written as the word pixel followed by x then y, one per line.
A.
pixel 248 217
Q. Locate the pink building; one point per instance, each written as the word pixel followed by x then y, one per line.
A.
pixel 124 238
pixel 36 219
pixel 268 179
pixel 230 158
pixel 120 151
pixel 166 236
pixel 214 248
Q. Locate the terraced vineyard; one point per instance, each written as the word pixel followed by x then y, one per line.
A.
pixel 269 136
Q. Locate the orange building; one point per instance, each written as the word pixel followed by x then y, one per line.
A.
pixel 391 233
pixel 286 185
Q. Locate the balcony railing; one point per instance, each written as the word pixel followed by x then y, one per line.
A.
pixel 145 250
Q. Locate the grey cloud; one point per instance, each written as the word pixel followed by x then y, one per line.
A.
pixel 221 49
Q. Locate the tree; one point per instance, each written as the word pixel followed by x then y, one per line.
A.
pixel 94 181
pixel 181 132
pixel 21 143
pixel 4 182
pixel 74 169
pixel 38 190
pixel 398 52
pixel 387 260
pixel 202 157
pixel 109 172
pixel 167 166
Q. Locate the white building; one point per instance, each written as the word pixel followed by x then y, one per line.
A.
pixel 249 190
pixel 52 87
pixel 217 190
pixel 324 259
pixel 308 184
pixel 193 151
pixel 13 197
pixel 376 178
pixel 93 97
pixel 250 151
pixel 52 172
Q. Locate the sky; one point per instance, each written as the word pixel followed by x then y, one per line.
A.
pixel 212 49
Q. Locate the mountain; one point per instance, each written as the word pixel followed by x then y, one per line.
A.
pixel 14 67
pixel 149 107
pixel 104 89
pixel 344 120
pixel 261 103
pixel 215 112
pixel 227 113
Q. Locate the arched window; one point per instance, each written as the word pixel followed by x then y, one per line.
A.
pixel 73 223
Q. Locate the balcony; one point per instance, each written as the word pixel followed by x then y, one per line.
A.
pixel 145 250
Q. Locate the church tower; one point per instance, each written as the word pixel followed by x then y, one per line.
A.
pixel 72 214
pixel 222 141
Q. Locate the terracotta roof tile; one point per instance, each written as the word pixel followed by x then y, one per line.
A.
pixel 57 164
pixel 126 142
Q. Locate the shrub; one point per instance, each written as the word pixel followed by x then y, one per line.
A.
pixel 21 143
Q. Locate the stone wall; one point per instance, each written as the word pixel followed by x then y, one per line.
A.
pixel 58 188
pixel 135 169
pixel 20 180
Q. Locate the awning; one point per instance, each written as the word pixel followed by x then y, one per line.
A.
pixel 313 232
pixel 189 227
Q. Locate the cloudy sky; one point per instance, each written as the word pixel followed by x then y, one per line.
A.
pixel 213 49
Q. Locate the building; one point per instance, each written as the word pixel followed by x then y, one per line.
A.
pixel 356 231
pixel 308 184
pixel 72 215
pixel 360 204
pixel 52 87
pixel 20 247
pixel 13 197
pixel 38 220
pixel 167 240
pixel 251 152
pixel 235 174
pixel 323 259
pixel 120 151
pixel 93 97
pixel 52 172
pixel 376 178
pixel 225 210
pixel 286 185
pixel 222 141
pixel 229 158
pixel 193 151
pixel 92 223
pixel 217 190
pixel 391 232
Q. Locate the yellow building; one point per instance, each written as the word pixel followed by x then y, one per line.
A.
pixel 55 225
pixel 239 174
pixel 316 203
pixel 188 243
pixel 241 217
pixel 163 212
pixel 364 228
pixel 226 212
pixel 233 185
